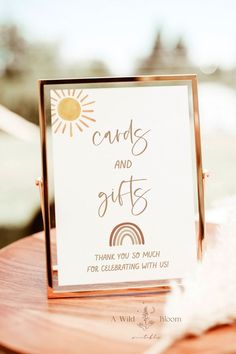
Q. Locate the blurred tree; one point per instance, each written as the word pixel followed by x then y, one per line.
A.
pixel 158 56
pixel 23 63
pixel 93 68
pixel 163 60
pixel 156 59
pixel 13 50
pixel 98 68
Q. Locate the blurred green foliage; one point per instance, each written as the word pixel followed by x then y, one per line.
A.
pixel 23 63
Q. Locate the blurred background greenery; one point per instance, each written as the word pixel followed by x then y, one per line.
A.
pixel 110 37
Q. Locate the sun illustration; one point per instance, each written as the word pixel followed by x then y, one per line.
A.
pixel 70 109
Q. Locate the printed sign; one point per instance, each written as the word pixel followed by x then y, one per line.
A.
pixel 123 181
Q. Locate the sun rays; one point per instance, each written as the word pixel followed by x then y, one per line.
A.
pixel 71 110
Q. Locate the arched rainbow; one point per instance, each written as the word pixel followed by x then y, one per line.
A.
pixel 126 230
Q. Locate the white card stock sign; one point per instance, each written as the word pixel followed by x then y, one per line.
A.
pixel 123 180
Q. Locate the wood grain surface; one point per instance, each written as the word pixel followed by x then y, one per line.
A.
pixel 30 323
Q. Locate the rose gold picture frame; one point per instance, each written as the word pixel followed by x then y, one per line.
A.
pixel 55 291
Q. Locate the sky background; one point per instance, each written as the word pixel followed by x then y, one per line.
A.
pixel 120 32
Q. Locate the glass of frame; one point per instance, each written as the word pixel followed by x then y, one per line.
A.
pixel 122 183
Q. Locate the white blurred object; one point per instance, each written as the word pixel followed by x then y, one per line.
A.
pixel 20 165
pixel 17 126
pixel 208 298
pixel 221 210
pixel 217 106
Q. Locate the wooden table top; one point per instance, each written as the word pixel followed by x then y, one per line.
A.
pixel 30 323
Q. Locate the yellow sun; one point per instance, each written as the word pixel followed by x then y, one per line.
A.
pixel 69 110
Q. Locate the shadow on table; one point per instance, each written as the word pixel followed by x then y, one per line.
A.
pixel 12 234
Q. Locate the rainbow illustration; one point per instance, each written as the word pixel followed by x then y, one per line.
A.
pixel 126 230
